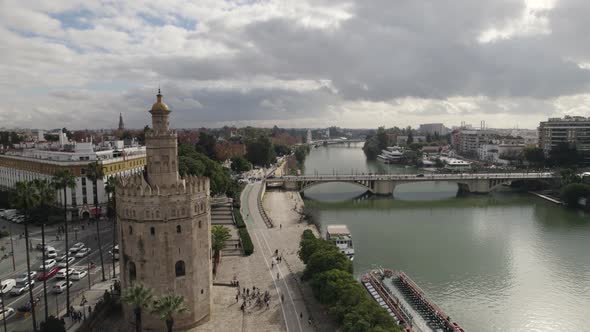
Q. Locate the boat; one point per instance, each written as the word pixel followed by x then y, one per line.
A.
pixel 340 236
pixel 391 155
pixel 406 302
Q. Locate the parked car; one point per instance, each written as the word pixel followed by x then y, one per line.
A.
pixel 6 313
pixel 62 264
pixel 21 288
pixel 50 273
pixel 49 263
pixel 61 258
pixel 76 247
pixel 61 274
pixel 51 253
pixel 7 285
pixel 83 252
pixel 60 286
pixel 78 275
pixel 23 277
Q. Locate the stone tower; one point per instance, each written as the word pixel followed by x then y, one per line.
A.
pixel 165 228
pixel 121 124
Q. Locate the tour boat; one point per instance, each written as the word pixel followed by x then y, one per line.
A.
pixel 406 302
pixel 392 154
pixel 340 235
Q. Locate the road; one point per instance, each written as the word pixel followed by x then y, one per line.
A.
pixel 266 245
pixel 55 302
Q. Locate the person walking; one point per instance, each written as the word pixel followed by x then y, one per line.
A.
pixel 277 275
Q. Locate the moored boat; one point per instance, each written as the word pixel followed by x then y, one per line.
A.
pixel 340 236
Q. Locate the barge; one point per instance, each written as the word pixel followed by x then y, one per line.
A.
pixel 406 302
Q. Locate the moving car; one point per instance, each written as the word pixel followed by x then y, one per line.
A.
pixel 21 288
pixel 51 253
pixel 50 273
pixel 61 274
pixel 83 252
pixel 78 275
pixel 23 276
pixel 49 263
pixel 70 260
pixel 7 285
pixel 6 313
pixel 61 258
pixel 60 286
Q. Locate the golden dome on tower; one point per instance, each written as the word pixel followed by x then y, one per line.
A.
pixel 159 104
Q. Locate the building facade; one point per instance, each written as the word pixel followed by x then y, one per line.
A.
pixel 164 228
pixel 43 161
pixel 432 128
pixel 573 130
pixel 468 142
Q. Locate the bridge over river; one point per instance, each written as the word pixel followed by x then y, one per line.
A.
pixel 384 184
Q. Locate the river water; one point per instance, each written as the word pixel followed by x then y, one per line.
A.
pixel 500 262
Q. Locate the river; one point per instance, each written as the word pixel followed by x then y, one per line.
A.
pixel 500 262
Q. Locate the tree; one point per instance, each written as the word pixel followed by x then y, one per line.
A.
pixel 569 176
pixel 26 198
pixel 410 139
pixel 167 306
pixel 206 145
pixel 219 235
pixel 46 194
pixel 94 172
pixel 259 151
pixel 63 179
pixel 191 162
pixel 139 297
pixel 571 194
pixel 110 188
pixel 282 149
pixel 534 155
pixel 240 164
pixel 53 324
pixel 301 153
pixel 324 260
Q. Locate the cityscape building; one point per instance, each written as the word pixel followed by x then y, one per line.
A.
pixel 38 160
pixel 574 130
pixel 164 228
pixel 432 128
pixel 121 124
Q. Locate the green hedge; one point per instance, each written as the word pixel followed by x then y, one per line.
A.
pixel 246 241
pixel 243 232
pixel 332 282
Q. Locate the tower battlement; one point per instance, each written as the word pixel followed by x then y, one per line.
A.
pixel 136 185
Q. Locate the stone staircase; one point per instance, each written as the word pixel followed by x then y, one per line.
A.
pixel 230 248
pixel 222 214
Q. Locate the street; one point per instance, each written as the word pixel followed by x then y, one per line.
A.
pixel 78 232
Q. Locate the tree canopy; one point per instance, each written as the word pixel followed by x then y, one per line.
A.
pixel 260 151
pixel 240 164
pixel 206 145
pixel 191 162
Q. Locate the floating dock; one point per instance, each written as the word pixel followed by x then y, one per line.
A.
pixel 406 302
pixel 545 197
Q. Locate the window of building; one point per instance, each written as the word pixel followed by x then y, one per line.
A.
pixel 179 268
pixel 200 223
pixel 130 230
pixel 178 229
pixel 132 272
pixel 153 230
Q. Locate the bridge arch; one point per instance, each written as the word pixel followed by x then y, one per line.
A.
pixel 361 184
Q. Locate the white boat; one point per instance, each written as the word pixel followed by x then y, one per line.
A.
pixel 340 235
pixel 392 154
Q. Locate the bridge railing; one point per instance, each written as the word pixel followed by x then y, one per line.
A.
pixel 415 177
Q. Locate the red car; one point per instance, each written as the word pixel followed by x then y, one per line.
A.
pixel 52 271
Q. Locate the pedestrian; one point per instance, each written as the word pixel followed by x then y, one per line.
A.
pixel 277 275
pixel 301 315
pixel 276 252
pixel 309 321
pixel 280 226
pixel 282 297
pixel 248 292
pixel 237 298
pixel 272 264
pixel 238 284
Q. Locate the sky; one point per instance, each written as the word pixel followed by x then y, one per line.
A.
pixel 304 63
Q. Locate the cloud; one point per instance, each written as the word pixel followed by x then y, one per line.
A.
pixel 293 63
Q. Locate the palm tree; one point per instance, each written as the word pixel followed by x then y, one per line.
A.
pixel 219 235
pixel 139 297
pixel 64 179
pixel 94 172
pixel 26 199
pixel 46 194
pixel 110 188
pixel 167 306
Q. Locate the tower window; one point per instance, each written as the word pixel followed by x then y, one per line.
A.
pixel 153 230
pixel 132 272
pixel 200 223
pixel 130 230
pixel 178 229
pixel 179 268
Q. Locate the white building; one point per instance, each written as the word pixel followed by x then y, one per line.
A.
pixel 433 128
pixel 44 160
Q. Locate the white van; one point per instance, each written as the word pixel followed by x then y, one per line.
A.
pixel 60 286
pixel 7 285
